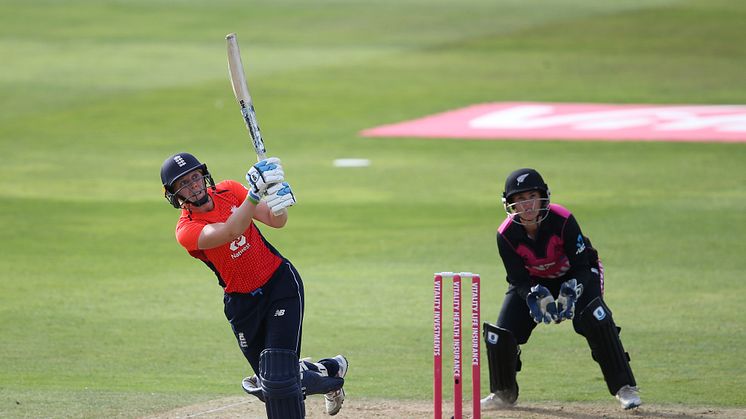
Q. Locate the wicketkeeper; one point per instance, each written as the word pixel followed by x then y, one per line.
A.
pixel 263 292
pixel 554 274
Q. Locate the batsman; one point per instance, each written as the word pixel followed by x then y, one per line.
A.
pixel 263 292
pixel 553 275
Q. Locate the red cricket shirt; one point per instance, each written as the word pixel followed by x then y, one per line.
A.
pixel 244 264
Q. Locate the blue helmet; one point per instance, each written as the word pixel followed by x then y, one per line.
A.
pixel 177 166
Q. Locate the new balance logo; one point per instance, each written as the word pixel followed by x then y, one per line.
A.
pixel 280 313
pixel 521 178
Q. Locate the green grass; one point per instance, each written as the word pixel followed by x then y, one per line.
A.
pixel 103 314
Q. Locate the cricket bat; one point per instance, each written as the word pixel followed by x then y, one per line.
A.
pixel 241 91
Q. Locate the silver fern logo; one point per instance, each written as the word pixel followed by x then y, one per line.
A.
pixel 521 178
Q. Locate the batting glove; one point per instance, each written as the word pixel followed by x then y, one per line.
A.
pixel 263 174
pixel 568 295
pixel 279 197
pixel 541 304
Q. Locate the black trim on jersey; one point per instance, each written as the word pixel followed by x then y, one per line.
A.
pixel 215 271
pixel 268 244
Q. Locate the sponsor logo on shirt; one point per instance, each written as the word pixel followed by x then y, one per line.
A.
pixel 544 267
pixel 599 313
pixel 239 246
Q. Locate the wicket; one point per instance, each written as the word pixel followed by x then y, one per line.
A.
pixel 438 340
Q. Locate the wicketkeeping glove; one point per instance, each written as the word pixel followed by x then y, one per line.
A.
pixel 568 295
pixel 263 174
pixel 279 197
pixel 541 304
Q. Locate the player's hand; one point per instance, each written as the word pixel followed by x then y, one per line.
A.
pixel 568 295
pixel 279 197
pixel 541 304
pixel 263 174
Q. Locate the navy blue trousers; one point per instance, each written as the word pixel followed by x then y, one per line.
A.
pixel 269 317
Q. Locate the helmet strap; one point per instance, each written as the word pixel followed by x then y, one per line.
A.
pixel 201 201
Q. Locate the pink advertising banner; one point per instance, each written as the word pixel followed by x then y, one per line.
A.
pixel 578 121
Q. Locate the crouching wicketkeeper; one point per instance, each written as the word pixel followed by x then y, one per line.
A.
pixel 554 274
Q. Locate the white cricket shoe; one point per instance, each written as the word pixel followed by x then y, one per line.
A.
pixel 334 399
pixel 251 386
pixel 629 397
pixel 497 401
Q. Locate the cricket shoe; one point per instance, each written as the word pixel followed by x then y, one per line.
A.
pixel 500 399
pixel 251 386
pixel 334 399
pixel 629 397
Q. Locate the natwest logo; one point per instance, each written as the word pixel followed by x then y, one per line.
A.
pixel 239 246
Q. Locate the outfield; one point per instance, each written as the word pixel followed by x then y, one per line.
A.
pixel 104 315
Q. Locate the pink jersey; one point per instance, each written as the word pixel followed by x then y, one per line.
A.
pixel 242 265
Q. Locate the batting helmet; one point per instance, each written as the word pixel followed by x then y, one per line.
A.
pixel 523 180
pixel 177 166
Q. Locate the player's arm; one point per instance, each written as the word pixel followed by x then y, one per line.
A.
pixel 264 213
pixel 540 302
pixel 577 251
pixel 218 234
pixel 259 177
pixel 517 275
